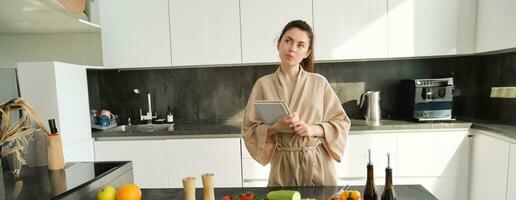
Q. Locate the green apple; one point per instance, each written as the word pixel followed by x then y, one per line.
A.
pixel 107 193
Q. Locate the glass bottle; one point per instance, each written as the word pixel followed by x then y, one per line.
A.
pixel 370 191
pixel 388 190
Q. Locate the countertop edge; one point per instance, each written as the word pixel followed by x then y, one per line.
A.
pixel 214 136
pixel 166 137
pixel 503 132
pixel 496 132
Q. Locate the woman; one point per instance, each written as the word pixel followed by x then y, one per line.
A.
pixel 300 147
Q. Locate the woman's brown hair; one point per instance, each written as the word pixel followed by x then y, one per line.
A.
pixel 308 62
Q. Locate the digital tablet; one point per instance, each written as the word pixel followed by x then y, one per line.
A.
pixel 271 110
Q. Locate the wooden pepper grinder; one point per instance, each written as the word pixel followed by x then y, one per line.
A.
pixel 54 148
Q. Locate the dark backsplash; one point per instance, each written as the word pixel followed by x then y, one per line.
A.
pixel 220 93
pixel 491 71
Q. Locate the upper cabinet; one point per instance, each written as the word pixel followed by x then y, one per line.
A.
pixel 135 33
pixel 350 29
pixel 184 33
pixel 431 28
pixel 261 25
pixel 205 32
pixel 496 25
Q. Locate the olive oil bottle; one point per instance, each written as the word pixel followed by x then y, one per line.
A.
pixel 369 190
pixel 388 190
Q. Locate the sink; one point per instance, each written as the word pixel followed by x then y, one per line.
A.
pixel 143 128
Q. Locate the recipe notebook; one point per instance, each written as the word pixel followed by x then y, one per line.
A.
pixel 271 110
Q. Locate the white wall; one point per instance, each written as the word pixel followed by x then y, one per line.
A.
pixel 76 48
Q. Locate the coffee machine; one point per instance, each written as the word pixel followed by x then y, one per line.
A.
pixel 428 99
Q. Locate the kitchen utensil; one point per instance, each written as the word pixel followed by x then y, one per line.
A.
pixel 372 108
pixel 189 188
pixel 339 192
pixel 55 157
pixel 207 184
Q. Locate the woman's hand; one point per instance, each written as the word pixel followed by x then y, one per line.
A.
pixel 303 129
pixel 283 123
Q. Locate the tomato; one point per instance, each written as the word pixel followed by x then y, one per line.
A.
pixel 250 196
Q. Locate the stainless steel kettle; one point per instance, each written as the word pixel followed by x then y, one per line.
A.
pixel 372 109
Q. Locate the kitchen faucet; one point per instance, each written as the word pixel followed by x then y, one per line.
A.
pixel 148 116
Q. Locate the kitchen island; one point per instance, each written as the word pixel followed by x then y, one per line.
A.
pixel 78 180
pixel 403 192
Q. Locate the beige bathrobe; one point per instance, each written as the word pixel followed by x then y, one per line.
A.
pixel 298 160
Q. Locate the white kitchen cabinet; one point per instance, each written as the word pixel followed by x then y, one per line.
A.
pixel 254 174
pixel 433 153
pixel 193 157
pixel 205 32
pixel 489 168
pixel 352 167
pixel 262 23
pixel 252 170
pixel 82 151
pixel 438 160
pixel 149 159
pixel 511 180
pixel 496 25
pixel 355 159
pixel 135 33
pixel 347 29
pixel 59 91
pixel 431 28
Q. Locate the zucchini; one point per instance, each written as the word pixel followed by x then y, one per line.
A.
pixel 284 195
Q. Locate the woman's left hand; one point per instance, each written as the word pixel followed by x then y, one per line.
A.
pixel 303 129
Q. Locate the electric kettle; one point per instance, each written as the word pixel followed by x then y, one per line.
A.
pixel 370 105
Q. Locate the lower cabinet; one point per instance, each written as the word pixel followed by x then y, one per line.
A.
pixel 193 157
pixel 354 162
pixel 511 193
pixel 490 164
pixel 436 159
pixel 164 163
pixel 149 159
pixel 81 151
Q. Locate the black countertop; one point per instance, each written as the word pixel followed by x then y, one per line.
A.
pixel 232 129
pixel 500 131
pixel 40 183
pixel 181 130
pixel 403 192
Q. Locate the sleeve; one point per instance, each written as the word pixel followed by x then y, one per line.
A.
pixel 336 124
pixel 254 131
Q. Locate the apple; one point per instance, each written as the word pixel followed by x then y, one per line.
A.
pixel 107 193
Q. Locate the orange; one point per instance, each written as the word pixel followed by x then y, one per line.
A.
pixel 348 194
pixel 129 192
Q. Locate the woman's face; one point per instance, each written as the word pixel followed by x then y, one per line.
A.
pixel 293 47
